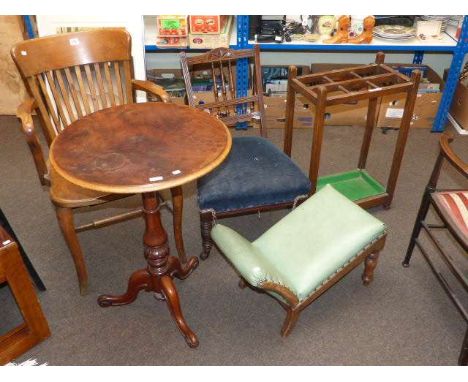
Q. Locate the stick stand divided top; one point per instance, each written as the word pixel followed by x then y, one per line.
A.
pixel 344 86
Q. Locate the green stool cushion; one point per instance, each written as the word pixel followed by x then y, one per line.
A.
pixel 306 247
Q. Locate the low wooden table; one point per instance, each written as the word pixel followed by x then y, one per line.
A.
pixel 144 148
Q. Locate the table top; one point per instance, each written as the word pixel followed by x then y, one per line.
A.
pixel 139 148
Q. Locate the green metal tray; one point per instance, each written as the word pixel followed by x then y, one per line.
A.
pixel 355 185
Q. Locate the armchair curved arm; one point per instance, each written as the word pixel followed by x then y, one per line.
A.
pixel 24 113
pixel 150 87
pixel 450 155
pixel 244 256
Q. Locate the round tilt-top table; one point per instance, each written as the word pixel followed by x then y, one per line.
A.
pixel 144 148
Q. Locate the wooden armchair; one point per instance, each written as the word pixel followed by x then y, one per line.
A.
pixel 451 206
pixel 256 176
pixel 69 76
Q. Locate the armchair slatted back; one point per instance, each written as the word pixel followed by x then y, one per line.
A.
pixel 74 74
pixel 227 104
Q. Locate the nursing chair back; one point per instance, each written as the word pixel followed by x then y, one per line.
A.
pixel 229 103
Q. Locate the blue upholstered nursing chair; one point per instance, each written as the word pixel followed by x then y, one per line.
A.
pixel 256 176
pixel 307 251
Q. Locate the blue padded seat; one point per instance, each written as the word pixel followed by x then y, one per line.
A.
pixel 256 173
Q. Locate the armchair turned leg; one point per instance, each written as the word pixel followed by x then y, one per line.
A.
pixel 206 224
pixel 370 264
pixel 65 220
pixel 290 321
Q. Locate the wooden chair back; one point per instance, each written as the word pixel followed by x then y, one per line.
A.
pixel 228 105
pixel 74 74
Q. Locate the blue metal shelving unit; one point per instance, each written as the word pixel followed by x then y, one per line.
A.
pixel 458 49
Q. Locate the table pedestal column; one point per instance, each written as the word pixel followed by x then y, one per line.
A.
pixel 159 272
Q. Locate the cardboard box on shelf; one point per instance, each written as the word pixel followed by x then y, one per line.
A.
pixel 211 41
pixel 171 31
pixel 426 106
pixel 459 108
pixel 207 24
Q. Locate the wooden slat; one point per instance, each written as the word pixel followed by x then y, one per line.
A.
pixel 364 94
pixel 232 86
pixel 92 87
pixel 65 95
pixel 128 76
pixel 207 59
pixel 50 105
pixel 238 101
pixel 74 92
pixel 304 90
pixel 223 86
pixel 102 91
pixel 58 102
pixel 234 119
pixel 110 85
pixel 215 85
pixel 50 131
pixel 355 82
pixel 396 72
pixel 118 80
pixel 308 78
pixel 84 94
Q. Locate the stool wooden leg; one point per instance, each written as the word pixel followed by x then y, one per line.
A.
pixel 65 220
pixel 370 264
pixel 242 284
pixel 290 321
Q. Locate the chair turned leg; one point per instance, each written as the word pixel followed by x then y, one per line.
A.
pixel 423 209
pixel 65 220
pixel 177 205
pixel 370 264
pixel 290 321
pixel 206 224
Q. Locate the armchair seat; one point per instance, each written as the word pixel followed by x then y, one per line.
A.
pixel 453 206
pixel 307 251
pixel 256 173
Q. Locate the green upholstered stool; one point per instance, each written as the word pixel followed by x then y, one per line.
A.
pixel 307 251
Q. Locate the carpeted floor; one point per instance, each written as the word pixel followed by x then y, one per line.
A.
pixel 403 318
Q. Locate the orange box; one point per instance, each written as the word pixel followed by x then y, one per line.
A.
pixel 205 24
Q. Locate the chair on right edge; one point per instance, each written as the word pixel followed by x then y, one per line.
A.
pixel 451 206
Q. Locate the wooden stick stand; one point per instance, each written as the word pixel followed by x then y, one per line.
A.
pixel 346 86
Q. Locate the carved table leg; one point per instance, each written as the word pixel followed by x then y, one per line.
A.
pixel 138 280
pixel 161 267
pixel 172 298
